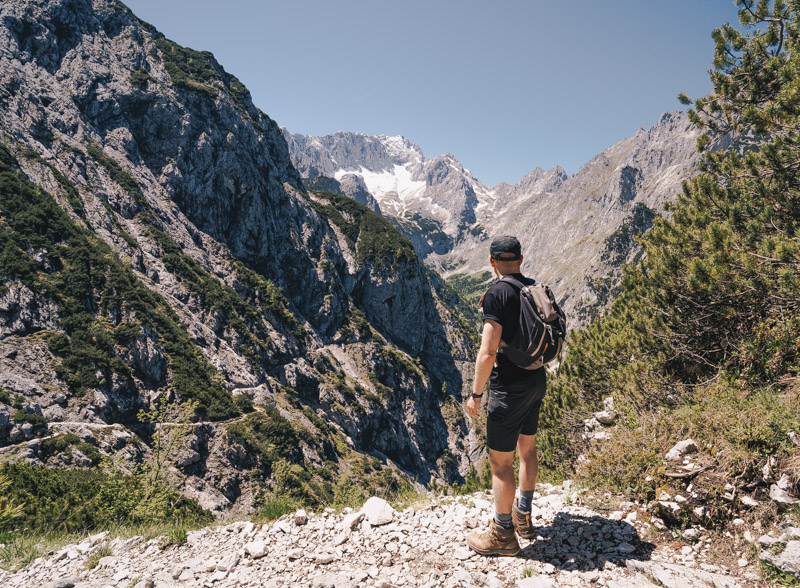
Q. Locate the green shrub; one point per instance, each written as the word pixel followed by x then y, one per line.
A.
pixel 277 506
pixel 175 536
pixel 706 328
pixel 91 452
pixel 73 196
pixel 244 403
pixel 216 297
pixel 383 391
pixel 119 175
pixel 620 243
pixel 23 416
pixel 33 221
pixel 126 331
pixel 374 239
pixel 347 493
pixel 463 293
pixel 269 435
pixel 264 294
pixel 321 184
pixel 139 78
pixel 361 324
pixel 58 444
pixel 9 508
pixel 87 499
pixel 776 575
pixel 90 283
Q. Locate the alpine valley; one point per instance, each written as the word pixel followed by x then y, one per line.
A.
pixel 173 261
pixel 576 231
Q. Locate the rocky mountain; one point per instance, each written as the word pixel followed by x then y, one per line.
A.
pixel 576 230
pixel 156 243
pixel 433 201
pixel 349 185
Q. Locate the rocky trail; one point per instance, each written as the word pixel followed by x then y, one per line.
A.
pixel 422 545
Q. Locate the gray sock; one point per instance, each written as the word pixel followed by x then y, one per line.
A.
pixel 525 498
pixel 503 519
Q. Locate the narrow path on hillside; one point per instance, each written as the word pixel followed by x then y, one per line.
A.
pixel 126 426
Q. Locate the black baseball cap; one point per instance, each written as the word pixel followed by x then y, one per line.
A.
pixel 505 245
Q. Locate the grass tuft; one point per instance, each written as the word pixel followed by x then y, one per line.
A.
pixel 98 554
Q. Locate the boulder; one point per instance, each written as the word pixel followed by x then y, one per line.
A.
pixel 787 560
pixel 781 496
pixel 591 425
pixel 352 520
pixel 63 582
pixel 377 511
pixel 680 449
pixel 669 510
pixel 606 417
pixel 256 549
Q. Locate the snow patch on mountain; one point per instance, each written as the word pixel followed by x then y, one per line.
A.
pixel 397 181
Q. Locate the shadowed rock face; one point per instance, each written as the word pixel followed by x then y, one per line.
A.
pixel 354 187
pixel 92 95
pixel 349 185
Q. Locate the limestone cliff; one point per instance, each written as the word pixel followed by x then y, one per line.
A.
pixel 182 257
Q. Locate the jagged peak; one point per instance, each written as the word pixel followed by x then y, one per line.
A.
pixel 397 145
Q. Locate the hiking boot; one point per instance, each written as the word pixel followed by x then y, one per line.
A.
pixel 496 540
pixel 522 522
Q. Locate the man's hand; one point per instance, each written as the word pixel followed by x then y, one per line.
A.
pixel 473 404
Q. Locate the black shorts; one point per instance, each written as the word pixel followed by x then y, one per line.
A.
pixel 513 410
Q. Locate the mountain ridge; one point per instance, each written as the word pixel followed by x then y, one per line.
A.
pixel 282 293
pixel 450 216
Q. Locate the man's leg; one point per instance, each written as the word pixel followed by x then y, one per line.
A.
pixel 503 482
pixel 528 462
pixel 500 538
pixel 528 470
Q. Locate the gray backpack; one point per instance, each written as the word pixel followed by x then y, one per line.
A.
pixel 542 326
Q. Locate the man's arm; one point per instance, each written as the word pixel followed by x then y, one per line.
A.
pixel 490 339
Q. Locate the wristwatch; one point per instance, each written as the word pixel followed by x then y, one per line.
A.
pixel 478 395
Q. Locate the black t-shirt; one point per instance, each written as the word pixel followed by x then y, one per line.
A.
pixel 501 304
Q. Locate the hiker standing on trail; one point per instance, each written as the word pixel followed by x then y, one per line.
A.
pixel 515 397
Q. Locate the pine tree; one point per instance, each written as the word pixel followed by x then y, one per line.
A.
pixel 716 298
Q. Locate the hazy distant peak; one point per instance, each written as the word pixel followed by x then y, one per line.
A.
pixel 540 181
pixel 326 155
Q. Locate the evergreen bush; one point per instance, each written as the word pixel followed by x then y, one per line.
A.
pixel 707 326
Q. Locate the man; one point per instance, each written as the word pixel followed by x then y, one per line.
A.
pixel 515 397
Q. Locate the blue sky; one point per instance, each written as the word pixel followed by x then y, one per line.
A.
pixel 505 86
